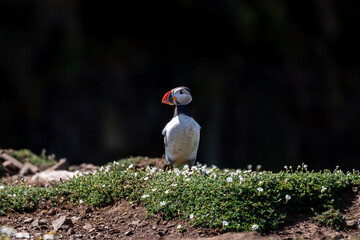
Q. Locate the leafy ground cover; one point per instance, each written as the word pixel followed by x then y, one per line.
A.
pixel 25 155
pixel 231 200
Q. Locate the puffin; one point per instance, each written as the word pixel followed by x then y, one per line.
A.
pixel 182 133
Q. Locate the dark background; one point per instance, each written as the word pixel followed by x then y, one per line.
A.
pixel 274 82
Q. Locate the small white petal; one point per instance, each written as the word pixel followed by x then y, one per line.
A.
pixel 225 223
pixel 254 227
pixel 229 179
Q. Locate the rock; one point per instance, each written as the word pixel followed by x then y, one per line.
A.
pixel 50 176
pixel 352 223
pixel 87 226
pixel 28 220
pixel 136 223
pixel 84 167
pixel 62 222
pixel 128 233
pixel 77 235
pixel 51 212
pixel 35 223
pixel 42 222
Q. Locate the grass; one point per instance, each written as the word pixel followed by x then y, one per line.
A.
pixel 25 155
pixel 230 200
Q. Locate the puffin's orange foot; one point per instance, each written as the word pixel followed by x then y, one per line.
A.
pixel 171 167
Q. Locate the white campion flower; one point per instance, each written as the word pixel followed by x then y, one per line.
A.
pixel 229 180
pixel 225 223
pixel 174 185
pixel 226 170
pixel 115 163
pixel 260 189
pixel 258 167
pixel 214 175
pixel 2 187
pixel 179 226
pixel 163 203
pixel 81 201
pixel 255 227
pixel 241 179
pixel 145 196
pixel 22 235
pixel 323 189
pixel 287 197
pixel 130 166
pixel 187 179
pixel 191 216
pixel 146 178
pixel 249 167
pixel 154 189
pixel 167 192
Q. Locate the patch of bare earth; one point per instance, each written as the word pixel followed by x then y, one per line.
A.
pixel 123 221
pixel 302 226
pixel 119 221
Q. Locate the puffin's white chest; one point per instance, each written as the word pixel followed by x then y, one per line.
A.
pixel 181 138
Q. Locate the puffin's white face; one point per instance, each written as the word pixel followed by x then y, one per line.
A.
pixel 177 96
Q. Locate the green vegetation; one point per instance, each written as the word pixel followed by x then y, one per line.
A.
pixel 332 218
pixel 231 200
pixel 25 155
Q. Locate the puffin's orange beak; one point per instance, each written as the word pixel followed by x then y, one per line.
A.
pixel 168 98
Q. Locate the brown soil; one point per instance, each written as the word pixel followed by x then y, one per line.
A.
pixel 122 221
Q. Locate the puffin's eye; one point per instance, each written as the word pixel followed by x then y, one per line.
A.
pixel 181 91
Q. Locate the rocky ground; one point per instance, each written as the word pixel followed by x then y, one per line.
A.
pixel 123 221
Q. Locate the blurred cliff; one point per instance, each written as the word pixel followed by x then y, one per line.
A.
pixel 274 82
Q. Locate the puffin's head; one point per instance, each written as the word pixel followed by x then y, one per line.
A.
pixel 177 96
